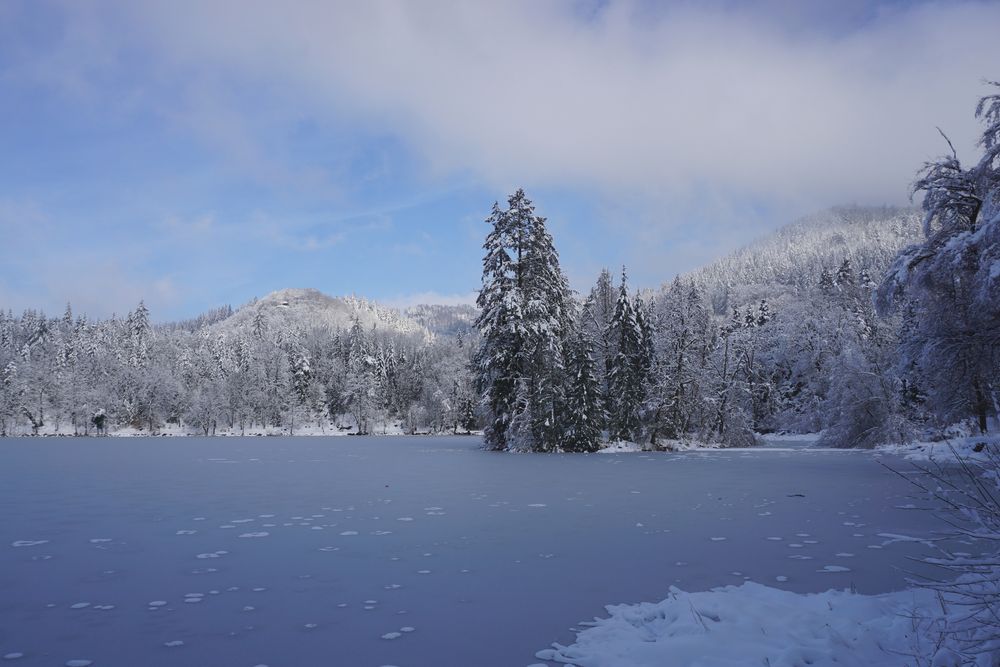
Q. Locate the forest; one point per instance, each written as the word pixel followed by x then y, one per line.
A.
pixel 870 325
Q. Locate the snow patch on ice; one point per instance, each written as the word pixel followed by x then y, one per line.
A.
pixel 947 451
pixel 760 625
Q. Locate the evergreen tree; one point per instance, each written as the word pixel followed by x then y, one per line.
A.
pixel 548 316
pixel 682 331
pixel 585 414
pixel 361 382
pixel 138 335
pixel 625 382
pixel 500 324
pixel 826 282
pixel 951 280
pixel 525 313
pixel 845 279
pixel 598 309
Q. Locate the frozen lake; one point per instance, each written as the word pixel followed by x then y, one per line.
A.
pixel 307 551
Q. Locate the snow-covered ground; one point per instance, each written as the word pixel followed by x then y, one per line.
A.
pixel 411 551
pixel 760 624
pixel 754 624
pixel 968 448
pixel 771 442
pixel 322 429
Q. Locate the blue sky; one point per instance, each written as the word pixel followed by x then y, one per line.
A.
pixel 192 156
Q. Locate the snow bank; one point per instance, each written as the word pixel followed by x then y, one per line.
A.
pixel 624 446
pixel 174 430
pixel 970 448
pixel 753 624
pixel 621 446
pixel 948 623
pixel 790 437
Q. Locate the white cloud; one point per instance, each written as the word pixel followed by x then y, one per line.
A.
pixel 680 104
pixel 693 126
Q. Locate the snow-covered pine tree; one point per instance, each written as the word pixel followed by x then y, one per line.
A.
pixel 500 324
pixel 525 313
pixel 731 422
pixel 683 341
pixel 625 382
pixel 139 332
pixel 826 282
pixel 952 280
pixel 763 313
pixel 301 371
pixel 548 317
pixel 67 320
pixel 585 416
pixel 11 392
pixel 595 319
pixel 845 279
pixel 644 324
pixel 361 382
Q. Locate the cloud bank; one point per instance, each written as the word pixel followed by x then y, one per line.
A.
pixel 659 134
pixel 688 101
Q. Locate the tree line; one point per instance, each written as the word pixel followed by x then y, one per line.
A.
pixel 865 361
pixel 72 375
pixel 830 326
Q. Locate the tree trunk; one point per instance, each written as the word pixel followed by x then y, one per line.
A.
pixel 981 409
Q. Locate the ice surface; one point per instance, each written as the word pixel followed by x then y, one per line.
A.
pixel 519 548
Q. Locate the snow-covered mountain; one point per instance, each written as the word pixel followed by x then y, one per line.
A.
pixel 308 309
pixel 794 256
pixel 444 320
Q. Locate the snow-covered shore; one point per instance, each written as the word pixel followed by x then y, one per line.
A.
pixel 969 448
pixel 947 624
pixel 175 430
pixel 754 624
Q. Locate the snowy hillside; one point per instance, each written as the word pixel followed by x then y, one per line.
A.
pixel 794 257
pixel 443 320
pixel 308 309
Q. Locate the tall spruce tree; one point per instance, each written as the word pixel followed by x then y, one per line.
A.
pixel 625 382
pixel 500 325
pixel 585 414
pixel 548 314
pixel 598 310
pixel 525 315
